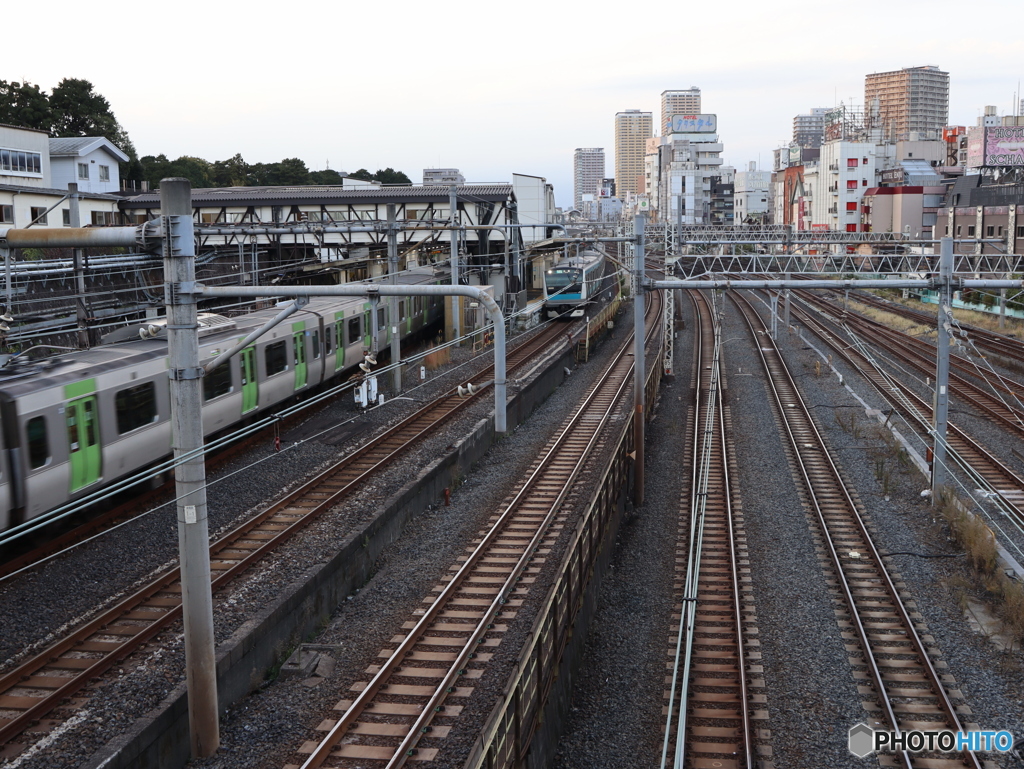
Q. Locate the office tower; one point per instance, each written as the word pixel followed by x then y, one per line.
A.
pixel 678 103
pixel 912 103
pixel 587 173
pixel 808 129
pixel 632 129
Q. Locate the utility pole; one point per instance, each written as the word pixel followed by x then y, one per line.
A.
pixel 453 205
pixel 940 410
pixel 396 344
pixel 638 364
pixel 785 307
pixel 78 257
pixel 190 476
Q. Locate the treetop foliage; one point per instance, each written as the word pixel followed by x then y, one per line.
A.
pixel 74 108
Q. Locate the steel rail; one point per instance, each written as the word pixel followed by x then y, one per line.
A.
pixel 790 408
pixel 616 377
pixel 252 539
pixel 709 481
pixel 976 461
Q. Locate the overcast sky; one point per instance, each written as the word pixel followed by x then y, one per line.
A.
pixel 493 88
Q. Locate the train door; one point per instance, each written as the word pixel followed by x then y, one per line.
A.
pixel 299 351
pixel 250 393
pixel 82 422
pixel 339 347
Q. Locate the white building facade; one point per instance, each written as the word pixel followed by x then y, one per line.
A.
pixel 752 194
pixel 91 162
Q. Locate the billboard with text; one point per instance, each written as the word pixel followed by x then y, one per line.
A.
pixel 688 124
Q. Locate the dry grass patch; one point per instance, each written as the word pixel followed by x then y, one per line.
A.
pixel 441 356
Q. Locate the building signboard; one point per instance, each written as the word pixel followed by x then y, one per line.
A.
pixel 893 175
pixel 834 123
pixel 794 155
pixel 1004 146
pixel 687 124
pixel 975 147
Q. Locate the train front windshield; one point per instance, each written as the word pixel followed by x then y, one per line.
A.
pixel 563 281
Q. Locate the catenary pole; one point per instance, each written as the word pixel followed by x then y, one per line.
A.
pixel 190 476
pixel 638 364
pixel 78 258
pixel 453 206
pixel 393 318
pixel 940 410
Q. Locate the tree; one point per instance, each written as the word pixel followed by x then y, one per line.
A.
pixel 362 174
pixel 390 176
pixel 196 170
pixel 327 176
pixel 233 172
pixel 24 104
pixel 290 171
pixel 79 111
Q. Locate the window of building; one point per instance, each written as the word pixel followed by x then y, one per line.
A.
pixel 864 182
pixel 851 162
pixel 970 230
pixel 947 229
pixel 851 228
pixel 990 231
pixel 852 206
pixel 276 358
pixel 959 230
pixel 1020 232
pixel 65 215
pixel 38 443
pixel 135 407
pixel 102 218
pixel 38 214
pixel 865 161
pixel 83 170
pixel 851 184
pixel 104 173
pixel 7 214
pixel 999 231
pixel 16 161
pixel 354 330
pixel 217 382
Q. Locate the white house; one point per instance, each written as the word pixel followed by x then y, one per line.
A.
pixel 89 161
pixel 27 191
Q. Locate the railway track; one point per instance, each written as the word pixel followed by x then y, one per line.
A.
pixel 41 684
pixel 920 355
pixel 997 344
pixel 981 465
pixel 404 710
pixel 892 664
pixel 716 691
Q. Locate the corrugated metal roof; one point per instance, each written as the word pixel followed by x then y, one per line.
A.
pixel 326 195
pixel 79 145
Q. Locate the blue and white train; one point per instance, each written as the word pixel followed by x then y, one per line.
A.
pixel 572 283
pixel 76 422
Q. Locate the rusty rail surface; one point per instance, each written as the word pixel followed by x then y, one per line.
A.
pixel 711 702
pixel 890 660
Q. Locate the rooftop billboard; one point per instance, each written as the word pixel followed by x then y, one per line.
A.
pixel 688 124
pixel 995 147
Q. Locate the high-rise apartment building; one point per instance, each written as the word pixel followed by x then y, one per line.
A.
pixel 678 103
pixel 632 130
pixel 808 129
pixel 913 100
pixel 587 173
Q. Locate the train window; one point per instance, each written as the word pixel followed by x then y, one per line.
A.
pixel 316 344
pixel 276 358
pixel 217 382
pixel 135 407
pixel 353 330
pixel 328 338
pixel 401 309
pixel 38 445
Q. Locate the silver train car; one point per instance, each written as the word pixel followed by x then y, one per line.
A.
pixel 572 283
pixel 73 423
